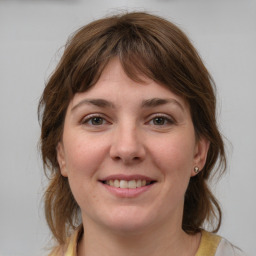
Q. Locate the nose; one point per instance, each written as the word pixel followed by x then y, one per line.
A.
pixel 127 145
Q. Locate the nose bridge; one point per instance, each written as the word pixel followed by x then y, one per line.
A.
pixel 127 143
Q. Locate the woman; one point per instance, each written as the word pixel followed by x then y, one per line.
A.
pixel 130 138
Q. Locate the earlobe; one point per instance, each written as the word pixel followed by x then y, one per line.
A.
pixel 61 159
pixel 200 155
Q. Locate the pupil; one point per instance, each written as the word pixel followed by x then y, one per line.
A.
pixel 97 120
pixel 159 120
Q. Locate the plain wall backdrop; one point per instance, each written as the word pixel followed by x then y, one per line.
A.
pixel 32 36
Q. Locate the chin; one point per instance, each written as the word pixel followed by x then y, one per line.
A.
pixel 129 221
pixel 129 228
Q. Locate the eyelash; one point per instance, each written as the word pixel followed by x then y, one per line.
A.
pixel 90 118
pixel 167 119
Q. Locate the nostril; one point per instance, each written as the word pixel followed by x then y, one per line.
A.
pixel 127 158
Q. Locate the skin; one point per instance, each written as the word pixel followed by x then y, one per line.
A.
pixel 129 131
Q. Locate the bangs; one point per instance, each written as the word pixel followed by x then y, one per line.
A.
pixel 141 54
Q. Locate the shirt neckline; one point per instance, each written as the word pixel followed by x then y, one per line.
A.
pixel 208 244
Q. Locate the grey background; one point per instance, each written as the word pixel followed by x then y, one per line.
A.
pixel 32 34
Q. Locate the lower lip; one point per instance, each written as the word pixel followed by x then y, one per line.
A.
pixel 128 192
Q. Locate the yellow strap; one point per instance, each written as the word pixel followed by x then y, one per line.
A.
pixel 72 245
pixel 208 245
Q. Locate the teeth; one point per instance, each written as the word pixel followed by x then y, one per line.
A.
pixel 138 184
pixel 123 184
pixel 127 184
pixel 131 184
pixel 117 183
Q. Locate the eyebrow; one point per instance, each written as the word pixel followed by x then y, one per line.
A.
pixel 96 102
pixel 159 102
pixel 154 102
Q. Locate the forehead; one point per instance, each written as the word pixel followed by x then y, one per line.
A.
pixel 114 84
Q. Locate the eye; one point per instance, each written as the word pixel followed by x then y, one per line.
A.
pixel 161 120
pixel 94 120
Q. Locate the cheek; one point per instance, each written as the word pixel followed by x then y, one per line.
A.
pixel 83 154
pixel 173 157
pixel 174 152
pixel 82 162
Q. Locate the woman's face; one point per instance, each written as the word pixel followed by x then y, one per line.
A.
pixel 129 150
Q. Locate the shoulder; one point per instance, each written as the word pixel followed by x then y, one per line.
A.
pixel 215 245
pixel 208 244
pixel 227 248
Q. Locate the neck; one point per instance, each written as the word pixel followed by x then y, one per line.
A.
pixel 166 241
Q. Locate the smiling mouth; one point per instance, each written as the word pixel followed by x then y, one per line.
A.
pixel 131 184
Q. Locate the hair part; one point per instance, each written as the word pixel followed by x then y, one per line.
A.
pixel 147 46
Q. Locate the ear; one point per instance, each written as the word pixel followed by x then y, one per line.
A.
pixel 200 154
pixel 61 159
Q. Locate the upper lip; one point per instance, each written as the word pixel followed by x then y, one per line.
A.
pixel 127 177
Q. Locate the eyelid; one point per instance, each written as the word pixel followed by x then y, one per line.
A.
pixel 88 117
pixel 169 118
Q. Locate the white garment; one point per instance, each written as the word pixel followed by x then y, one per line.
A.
pixel 225 248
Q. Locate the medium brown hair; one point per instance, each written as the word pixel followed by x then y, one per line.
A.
pixel 148 46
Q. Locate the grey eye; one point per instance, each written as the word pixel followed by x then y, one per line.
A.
pixel 159 121
pixel 96 120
